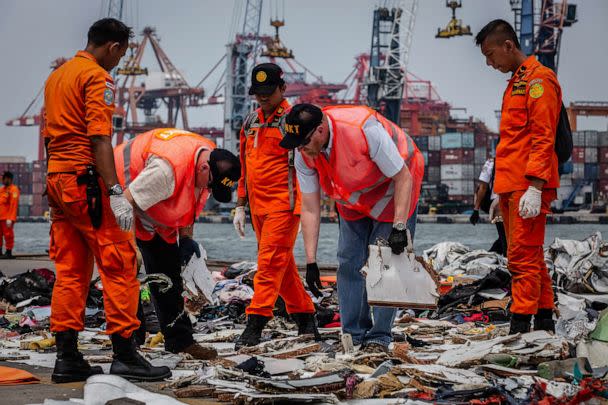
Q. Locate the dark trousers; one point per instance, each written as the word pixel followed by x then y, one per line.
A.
pixel 500 244
pixel 162 257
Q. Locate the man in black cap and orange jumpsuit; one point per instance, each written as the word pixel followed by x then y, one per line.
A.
pixel 268 184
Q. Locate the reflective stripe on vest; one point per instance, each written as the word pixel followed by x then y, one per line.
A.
pixel 126 156
pixel 379 207
pixel 354 197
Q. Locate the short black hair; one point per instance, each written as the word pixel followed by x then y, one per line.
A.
pixel 8 175
pixel 499 28
pixel 109 30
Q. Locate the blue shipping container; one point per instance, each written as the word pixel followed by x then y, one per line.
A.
pixel 422 142
pixel 458 140
pixel 591 171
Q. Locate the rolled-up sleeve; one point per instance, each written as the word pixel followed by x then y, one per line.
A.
pixel 154 184
pixel 544 106
pixel 99 104
pixel 308 179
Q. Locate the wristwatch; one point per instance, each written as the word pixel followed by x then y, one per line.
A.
pixel 116 189
pixel 400 226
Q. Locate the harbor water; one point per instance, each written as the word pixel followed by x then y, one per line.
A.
pixel 221 242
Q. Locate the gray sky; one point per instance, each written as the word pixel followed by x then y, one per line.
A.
pixel 324 35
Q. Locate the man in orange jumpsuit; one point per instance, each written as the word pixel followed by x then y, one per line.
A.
pixel 268 184
pixel 9 203
pixel 526 171
pixel 91 218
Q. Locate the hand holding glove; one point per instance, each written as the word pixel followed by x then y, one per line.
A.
pixel 9 223
pixel 123 211
pixel 529 203
pixel 474 218
pixel 239 221
pixel 397 240
pixel 495 214
pixel 313 279
pixel 187 248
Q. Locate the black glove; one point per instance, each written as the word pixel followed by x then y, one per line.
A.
pixel 188 247
pixel 474 218
pixel 313 279
pixel 398 241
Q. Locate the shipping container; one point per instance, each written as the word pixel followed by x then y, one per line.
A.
pixel 457 156
pixel 578 171
pixel 481 140
pixel 602 139
pixel 460 187
pixel 24 211
pixel 603 186
pixel 578 138
pixel 591 139
pixel 578 154
pixel 433 174
pixel 12 159
pixel 455 140
pixel 565 181
pixel 434 157
pixel 26 199
pixel 591 171
pixel 603 171
pixel 38 188
pixel 481 155
pixel 602 154
pixel 434 143
pixel 422 142
pixel 590 155
pixel 457 172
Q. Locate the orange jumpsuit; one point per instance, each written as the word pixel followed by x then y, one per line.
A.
pixel 9 203
pixel 79 100
pixel 530 112
pixel 274 214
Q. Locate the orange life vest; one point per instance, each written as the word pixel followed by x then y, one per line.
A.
pixel 352 178
pixel 179 149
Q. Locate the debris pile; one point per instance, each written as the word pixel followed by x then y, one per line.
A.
pixel 458 353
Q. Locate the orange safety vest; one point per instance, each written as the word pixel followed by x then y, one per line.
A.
pixel 352 178
pixel 179 148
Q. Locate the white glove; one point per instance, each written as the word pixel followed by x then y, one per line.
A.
pixel 495 211
pixel 9 223
pixel 123 211
pixel 239 221
pixel 529 203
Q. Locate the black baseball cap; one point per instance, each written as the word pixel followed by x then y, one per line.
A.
pixel 226 172
pixel 298 124
pixel 265 78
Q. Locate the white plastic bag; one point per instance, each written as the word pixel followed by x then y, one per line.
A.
pixel 398 280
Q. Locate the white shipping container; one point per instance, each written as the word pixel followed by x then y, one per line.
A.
pixel 12 159
pixel 161 80
pixel 435 142
pixel 591 139
pixel 460 187
pixel 591 155
pixel 456 172
pixel 26 199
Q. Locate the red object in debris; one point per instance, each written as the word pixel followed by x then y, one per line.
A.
pixel 328 281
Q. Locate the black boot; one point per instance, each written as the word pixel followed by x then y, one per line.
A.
pixel 131 365
pixel 70 366
pixel 307 324
pixel 543 320
pixel 8 254
pixel 520 323
pixel 252 334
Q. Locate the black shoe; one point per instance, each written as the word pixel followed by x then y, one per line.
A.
pixel 543 320
pixel 520 323
pixel 70 366
pixel 8 254
pixel 307 324
pixel 131 365
pixel 252 334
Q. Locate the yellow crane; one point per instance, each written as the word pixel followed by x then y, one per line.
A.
pixel 455 28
